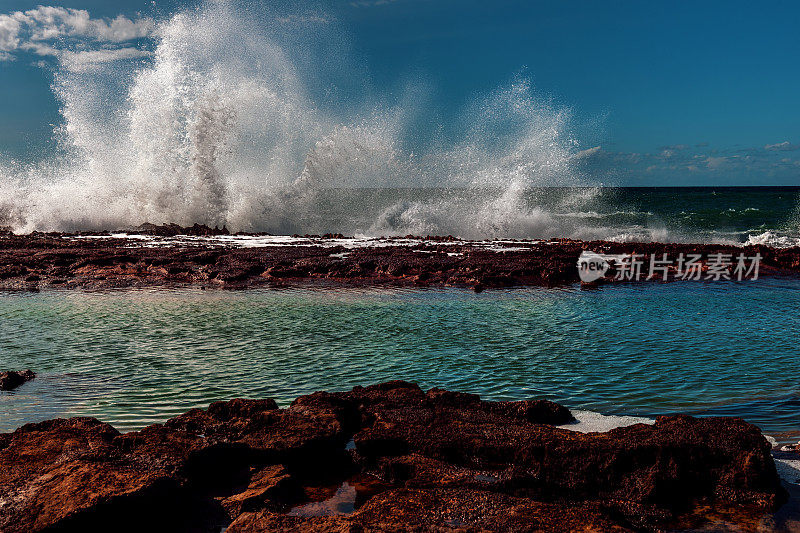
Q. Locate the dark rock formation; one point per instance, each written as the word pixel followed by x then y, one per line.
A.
pixel 441 510
pixel 12 379
pixel 54 260
pixel 171 230
pixel 389 457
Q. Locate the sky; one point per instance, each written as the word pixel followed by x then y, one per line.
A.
pixel 672 93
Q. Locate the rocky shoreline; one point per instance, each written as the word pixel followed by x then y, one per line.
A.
pixel 388 457
pixel 104 261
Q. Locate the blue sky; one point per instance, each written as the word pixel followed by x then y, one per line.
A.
pixel 673 93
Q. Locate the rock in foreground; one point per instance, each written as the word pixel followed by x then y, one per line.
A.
pixel 12 379
pixel 389 457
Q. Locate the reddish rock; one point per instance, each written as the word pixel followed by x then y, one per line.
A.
pixel 268 487
pixel 270 435
pixel 60 471
pixel 671 464
pixel 44 260
pixel 420 461
pixel 441 510
pixel 12 379
pixel 171 230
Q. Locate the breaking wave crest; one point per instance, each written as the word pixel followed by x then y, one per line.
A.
pixel 228 122
pixel 219 127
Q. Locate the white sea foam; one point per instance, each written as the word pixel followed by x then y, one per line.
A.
pixel 260 241
pixel 219 128
pixel 773 239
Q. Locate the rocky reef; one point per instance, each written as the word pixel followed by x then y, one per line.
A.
pixel 388 457
pixel 107 261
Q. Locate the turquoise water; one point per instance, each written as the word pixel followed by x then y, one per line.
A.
pixel 137 357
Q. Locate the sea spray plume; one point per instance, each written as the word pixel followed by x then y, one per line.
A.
pixel 11 202
pixel 216 121
pixel 514 142
pixel 207 136
pixel 217 128
pixel 786 236
pixel 180 117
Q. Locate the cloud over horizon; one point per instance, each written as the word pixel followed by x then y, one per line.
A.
pixel 68 33
pixel 785 146
pixel 678 163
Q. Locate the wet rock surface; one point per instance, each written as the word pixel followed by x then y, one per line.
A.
pixel 389 457
pixel 68 261
pixel 11 379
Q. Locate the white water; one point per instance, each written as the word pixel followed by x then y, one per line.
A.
pixel 218 127
pixel 774 239
pixel 224 125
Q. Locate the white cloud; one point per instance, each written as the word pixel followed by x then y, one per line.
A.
pixel 714 163
pixel 85 60
pixel 9 33
pixel 675 147
pixel 785 146
pixel 40 49
pixel 48 22
pixel 36 30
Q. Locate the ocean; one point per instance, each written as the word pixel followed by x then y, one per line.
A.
pixel 730 215
pixel 133 358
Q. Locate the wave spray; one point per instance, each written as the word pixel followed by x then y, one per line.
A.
pixel 219 127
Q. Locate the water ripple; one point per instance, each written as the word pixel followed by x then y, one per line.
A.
pixel 133 358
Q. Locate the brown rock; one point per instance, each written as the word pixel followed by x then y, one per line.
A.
pixel 11 379
pixel 441 510
pixel 56 472
pixel 270 435
pixel 421 461
pixel 670 464
pixel 63 260
pixel 269 485
pixel 171 230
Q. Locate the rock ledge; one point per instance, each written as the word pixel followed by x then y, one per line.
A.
pixel 388 457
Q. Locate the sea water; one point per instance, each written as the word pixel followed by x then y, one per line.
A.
pixel 133 358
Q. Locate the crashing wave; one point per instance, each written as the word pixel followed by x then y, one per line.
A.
pixel 219 128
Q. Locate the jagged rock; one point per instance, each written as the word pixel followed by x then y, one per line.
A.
pixel 67 473
pixel 270 435
pixel 12 379
pixel 171 230
pixel 438 460
pixel 441 510
pixel 671 464
pixel 67 262
pixel 269 485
